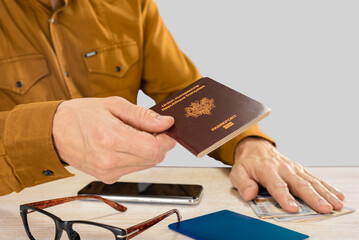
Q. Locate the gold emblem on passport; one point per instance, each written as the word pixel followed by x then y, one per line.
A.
pixel 199 108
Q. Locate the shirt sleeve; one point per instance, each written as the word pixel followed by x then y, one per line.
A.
pixel 27 154
pixel 167 70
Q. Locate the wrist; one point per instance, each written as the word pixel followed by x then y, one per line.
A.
pixel 252 144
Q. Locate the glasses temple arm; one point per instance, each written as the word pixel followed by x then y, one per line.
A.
pixel 57 201
pixel 137 229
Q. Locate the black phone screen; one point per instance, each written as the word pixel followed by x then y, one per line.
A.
pixel 142 189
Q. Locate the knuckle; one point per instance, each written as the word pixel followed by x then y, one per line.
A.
pixel 156 155
pixel 233 176
pixel 324 183
pixel 105 138
pixel 314 181
pixel 161 158
pixel 280 185
pixel 266 165
pixel 154 150
pixel 127 128
pixel 302 184
pixel 116 100
pixel 299 168
pixel 144 112
pixel 287 167
pixel 108 179
pixel 105 164
pixel 172 143
pixel 237 173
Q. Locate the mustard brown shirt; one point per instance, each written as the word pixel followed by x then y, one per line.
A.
pixel 89 48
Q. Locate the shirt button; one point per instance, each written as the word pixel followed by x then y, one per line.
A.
pixel 67 74
pixel 18 84
pixel 118 69
pixel 52 20
pixel 48 172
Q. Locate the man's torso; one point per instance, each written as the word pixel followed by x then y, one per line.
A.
pixel 83 49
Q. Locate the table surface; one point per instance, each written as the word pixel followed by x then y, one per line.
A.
pixel 217 196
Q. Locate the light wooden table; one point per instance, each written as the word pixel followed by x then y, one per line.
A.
pixel 217 196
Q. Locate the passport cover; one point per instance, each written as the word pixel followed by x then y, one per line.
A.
pixel 229 225
pixel 208 114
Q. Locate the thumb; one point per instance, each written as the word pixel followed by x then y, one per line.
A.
pixel 247 187
pixel 141 118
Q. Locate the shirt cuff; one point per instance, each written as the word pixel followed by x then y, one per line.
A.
pixel 225 153
pixel 29 146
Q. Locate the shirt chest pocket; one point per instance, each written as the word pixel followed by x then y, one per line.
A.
pixel 113 60
pixel 19 74
pixel 112 70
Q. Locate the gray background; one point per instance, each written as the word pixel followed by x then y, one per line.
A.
pixel 300 58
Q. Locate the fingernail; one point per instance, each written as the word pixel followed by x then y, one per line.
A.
pixel 162 118
pixel 323 202
pixel 292 203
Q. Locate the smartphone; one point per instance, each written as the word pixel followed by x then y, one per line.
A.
pixel 144 192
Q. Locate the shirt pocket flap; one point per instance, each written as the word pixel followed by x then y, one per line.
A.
pixel 114 60
pixel 18 74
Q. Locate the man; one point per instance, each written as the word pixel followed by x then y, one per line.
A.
pixel 61 63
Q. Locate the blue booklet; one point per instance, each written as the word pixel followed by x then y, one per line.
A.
pixel 230 225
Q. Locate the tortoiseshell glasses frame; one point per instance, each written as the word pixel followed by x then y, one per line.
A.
pixel 119 233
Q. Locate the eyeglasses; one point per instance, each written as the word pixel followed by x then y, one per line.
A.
pixel 40 224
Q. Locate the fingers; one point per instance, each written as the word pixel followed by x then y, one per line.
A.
pixel 332 189
pixel 277 187
pixel 141 144
pixel 90 136
pixel 110 165
pixel 247 188
pixel 282 177
pixel 139 117
pixel 147 150
pixel 309 188
pixel 312 191
pixel 121 145
pixel 309 192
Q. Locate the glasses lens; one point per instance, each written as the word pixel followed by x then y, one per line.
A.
pixel 89 231
pixel 41 226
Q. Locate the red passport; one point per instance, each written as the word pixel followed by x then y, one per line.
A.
pixel 208 114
